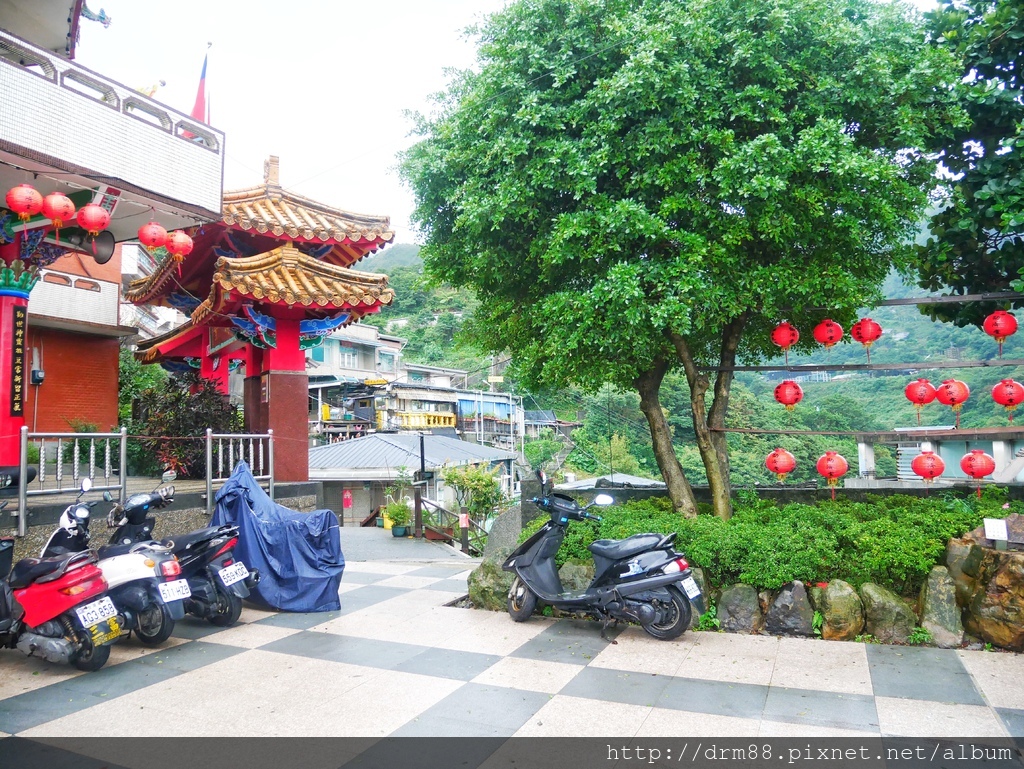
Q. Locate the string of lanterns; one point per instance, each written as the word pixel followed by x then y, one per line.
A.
pixel 26 202
pixel 928 465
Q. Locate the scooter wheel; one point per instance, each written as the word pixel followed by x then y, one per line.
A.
pixel 521 601
pixel 91 658
pixel 229 609
pixel 155 624
pixel 674 616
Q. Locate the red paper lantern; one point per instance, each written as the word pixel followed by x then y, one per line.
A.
pixel 1000 325
pixel 152 236
pixel 1008 394
pixel 832 466
pixel 58 209
pixel 780 462
pixel 828 333
pixel 977 464
pixel 93 219
pixel 920 393
pixel 789 393
pixel 179 244
pixel 25 201
pixel 867 332
pixel 953 393
pixel 785 336
pixel 928 465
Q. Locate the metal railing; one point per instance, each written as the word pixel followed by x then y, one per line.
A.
pixel 230 448
pixel 79 445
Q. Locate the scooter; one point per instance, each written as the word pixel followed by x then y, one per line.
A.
pixel 144 578
pixel 56 608
pixel 637 579
pixel 218 582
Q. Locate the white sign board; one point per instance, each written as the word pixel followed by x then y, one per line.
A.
pixel 995 529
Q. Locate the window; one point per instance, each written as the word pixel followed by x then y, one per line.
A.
pixel 386 361
pixel 348 357
pixel 317 353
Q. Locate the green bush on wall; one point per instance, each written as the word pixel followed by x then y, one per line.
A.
pixel 892 540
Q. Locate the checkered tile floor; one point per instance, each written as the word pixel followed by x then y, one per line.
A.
pixel 396 661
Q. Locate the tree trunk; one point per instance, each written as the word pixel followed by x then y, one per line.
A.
pixel 707 423
pixel 648 385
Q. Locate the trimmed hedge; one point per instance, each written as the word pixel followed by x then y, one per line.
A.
pixel 890 540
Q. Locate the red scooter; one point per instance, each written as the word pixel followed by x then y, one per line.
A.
pixel 56 608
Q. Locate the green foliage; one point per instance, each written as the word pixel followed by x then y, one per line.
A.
pixel 396 490
pixel 398 512
pixel 919 636
pixel 539 452
pixel 134 378
pixel 476 488
pixel 176 416
pixel 892 541
pixel 976 243
pixel 709 619
pixel 866 638
pixel 630 184
pixel 817 623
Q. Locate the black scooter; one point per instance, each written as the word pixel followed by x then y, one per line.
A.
pixel 637 579
pixel 218 580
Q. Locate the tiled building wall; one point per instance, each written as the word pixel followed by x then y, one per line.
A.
pixel 80 383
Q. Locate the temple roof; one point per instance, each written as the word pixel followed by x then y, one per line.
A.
pixel 288 276
pixel 269 208
pixel 267 215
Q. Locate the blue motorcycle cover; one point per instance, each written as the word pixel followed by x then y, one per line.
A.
pixel 298 554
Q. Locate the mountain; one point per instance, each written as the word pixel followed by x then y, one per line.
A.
pixel 393 257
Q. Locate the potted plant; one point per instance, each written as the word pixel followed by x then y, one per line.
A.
pixel 398 514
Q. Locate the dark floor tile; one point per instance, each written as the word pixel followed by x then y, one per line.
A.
pixel 617 686
pixel 441 571
pixel 30 754
pixel 1014 722
pixel 194 629
pixel 716 697
pixel 488 711
pixel 385 655
pixel 449 585
pixel 364 597
pixel 445 663
pixel 302 620
pixel 23 711
pixel 803 706
pixel 573 641
pixel 921 674
pixel 363 577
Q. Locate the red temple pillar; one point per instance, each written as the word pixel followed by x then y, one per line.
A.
pixel 15 286
pixel 215 368
pixel 283 391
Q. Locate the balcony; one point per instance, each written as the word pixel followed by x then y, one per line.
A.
pixel 413 420
pixel 64 125
pixel 67 301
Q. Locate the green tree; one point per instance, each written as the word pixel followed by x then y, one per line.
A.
pixel 134 377
pixel 977 236
pixel 476 488
pixel 632 187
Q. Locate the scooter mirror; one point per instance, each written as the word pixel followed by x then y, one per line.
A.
pixel 603 500
pixel 168 476
pixel 86 484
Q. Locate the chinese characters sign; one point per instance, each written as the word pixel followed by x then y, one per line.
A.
pixel 18 362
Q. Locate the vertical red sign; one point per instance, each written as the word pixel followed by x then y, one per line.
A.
pixel 18 361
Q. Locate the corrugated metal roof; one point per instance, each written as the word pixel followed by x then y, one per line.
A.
pixel 392 450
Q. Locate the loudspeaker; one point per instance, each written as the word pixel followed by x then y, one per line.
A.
pixel 100 248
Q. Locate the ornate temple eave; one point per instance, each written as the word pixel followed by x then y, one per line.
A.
pixel 271 210
pixel 159 347
pixel 286 276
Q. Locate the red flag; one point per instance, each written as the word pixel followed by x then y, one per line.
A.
pixel 199 109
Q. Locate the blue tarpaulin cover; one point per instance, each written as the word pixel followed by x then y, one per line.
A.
pixel 298 554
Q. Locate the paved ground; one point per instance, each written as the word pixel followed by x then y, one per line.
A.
pixel 397 661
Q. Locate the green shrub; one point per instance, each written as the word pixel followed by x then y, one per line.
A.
pixel 890 540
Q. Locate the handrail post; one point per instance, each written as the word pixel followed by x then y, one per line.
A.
pixel 209 471
pixel 23 484
pixel 270 433
pixel 123 493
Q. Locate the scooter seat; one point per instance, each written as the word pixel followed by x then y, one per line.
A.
pixel 614 549
pixel 186 541
pixel 29 570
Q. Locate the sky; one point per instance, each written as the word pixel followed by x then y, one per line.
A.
pixel 322 84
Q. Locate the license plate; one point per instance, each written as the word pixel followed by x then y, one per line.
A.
pixel 236 572
pixel 690 586
pixel 105 632
pixel 175 591
pixel 94 613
